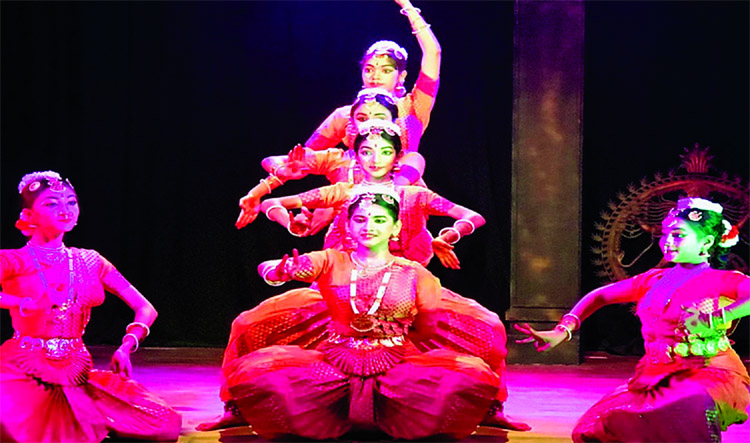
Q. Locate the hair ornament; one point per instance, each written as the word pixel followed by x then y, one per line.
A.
pixel 369 192
pixel 375 127
pixel 731 235
pixel 695 215
pixel 34 180
pixel 369 95
pixel 698 203
pixel 389 48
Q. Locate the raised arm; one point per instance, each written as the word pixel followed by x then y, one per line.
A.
pixel 618 292
pixel 428 43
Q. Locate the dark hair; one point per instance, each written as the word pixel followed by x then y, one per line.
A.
pixel 395 141
pixel 381 99
pixel 385 201
pixel 39 183
pixel 390 49
pixel 706 222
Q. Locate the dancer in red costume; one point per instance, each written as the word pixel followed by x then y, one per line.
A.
pixel 367 374
pixel 333 163
pixel 691 384
pixel 300 316
pixel 50 391
pixel 384 66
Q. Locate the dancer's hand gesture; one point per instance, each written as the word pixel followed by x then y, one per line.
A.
pixel 299 225
pixel 444 252
pixel 249 208
pixel 295 166
pixel 121 364
pixel 543 340
pixel 286 268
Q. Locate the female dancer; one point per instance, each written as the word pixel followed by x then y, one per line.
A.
pixel 300 316
pixel 333 163
pixel 384 66
pixel 691 384
pixel 367 374
pixel 50 391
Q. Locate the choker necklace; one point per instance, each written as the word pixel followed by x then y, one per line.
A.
pixel 69 300
pixel 53 255
pixel 364 269
pixel 366 322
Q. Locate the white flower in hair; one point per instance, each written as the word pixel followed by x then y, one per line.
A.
pixel 387 47
pixel 370 93
pixel 698 203
pixel 36 177
pixel 372 189
pixel 374 127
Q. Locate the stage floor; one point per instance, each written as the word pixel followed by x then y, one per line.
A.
pixel 548 397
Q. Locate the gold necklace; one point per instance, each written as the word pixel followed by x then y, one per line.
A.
pixel 69 300
pixel 365 322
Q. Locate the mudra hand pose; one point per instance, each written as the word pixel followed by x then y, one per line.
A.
pixel 367 374
pixel 690 385
pixel 50 391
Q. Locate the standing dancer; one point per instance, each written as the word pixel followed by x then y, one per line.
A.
pixel 300 316
pixel 367 374
pixel 50 391
pixel 691 384
pixel 384 66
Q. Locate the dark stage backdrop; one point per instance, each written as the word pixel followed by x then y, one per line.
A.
pixel 160 113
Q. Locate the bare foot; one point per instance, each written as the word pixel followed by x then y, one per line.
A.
pixel 496 418
pixel 227 420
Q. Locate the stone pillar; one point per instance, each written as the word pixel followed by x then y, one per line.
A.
pixel 546 188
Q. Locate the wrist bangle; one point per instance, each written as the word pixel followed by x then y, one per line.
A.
pixel 463 220
pixel 405 11
pixel 271 282
pixel 274 177
pixel 141 324
pixel 450 228
pixel 268 211
pixel 20 306
pixel 263 180
pixel 417 31
pixel 135 339
pixel 568 333
pixel 575 318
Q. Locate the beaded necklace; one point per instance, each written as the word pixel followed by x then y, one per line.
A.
pixel 365 322
pixel 69 300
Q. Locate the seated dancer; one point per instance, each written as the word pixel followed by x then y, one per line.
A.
pixel 50 391
pixel 367 374
pixel 300 316
pixel 690 385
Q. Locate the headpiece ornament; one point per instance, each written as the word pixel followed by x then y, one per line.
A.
pixel 370 94
pixel 374 127
pixel 698 203
pixel 34 181
pixel 366 195
pixel 389 48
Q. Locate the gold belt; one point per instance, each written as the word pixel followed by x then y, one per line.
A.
pixel 366 342
pixel 704 347
pixel 53 347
